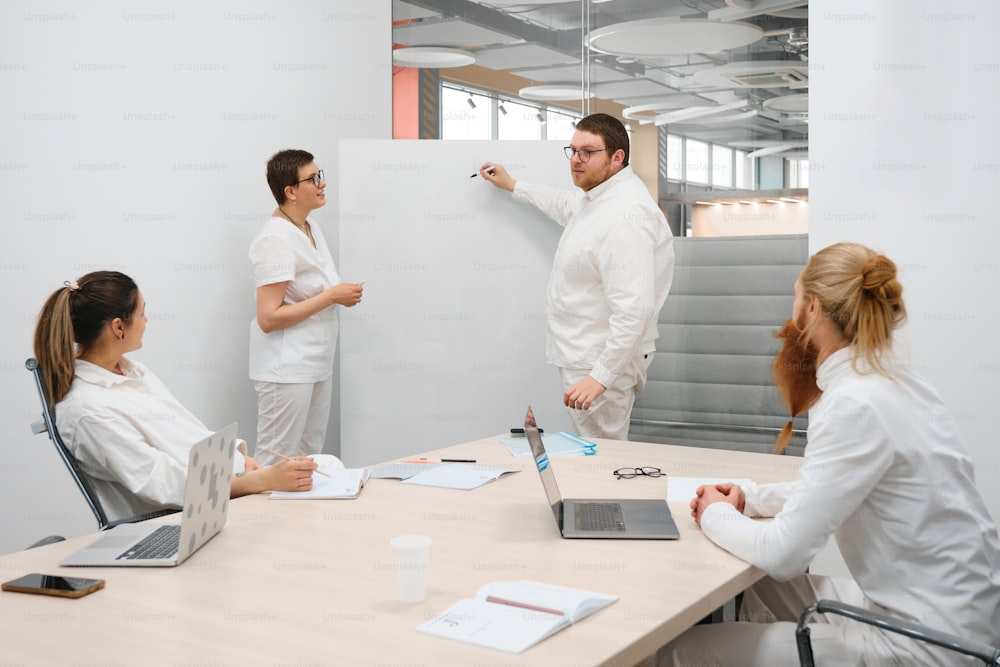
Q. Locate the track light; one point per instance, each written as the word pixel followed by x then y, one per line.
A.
pixel 540 117
pixel 501 109
pixel 471 103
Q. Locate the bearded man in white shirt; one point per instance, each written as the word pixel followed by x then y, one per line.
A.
pixel 885 472
pixel 610 275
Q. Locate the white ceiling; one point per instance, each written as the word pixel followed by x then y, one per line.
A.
pixel 542 42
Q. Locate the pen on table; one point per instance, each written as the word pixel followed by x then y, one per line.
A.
pixel 523 605
pixel 489 171
pixel 289 458
pixel 437 460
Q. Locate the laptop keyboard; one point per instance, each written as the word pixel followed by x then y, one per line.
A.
pixel 599 517
pixel 163 542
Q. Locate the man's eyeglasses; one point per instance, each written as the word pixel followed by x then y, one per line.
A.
pixel 584 153
pixel 629 473
pixel 316 178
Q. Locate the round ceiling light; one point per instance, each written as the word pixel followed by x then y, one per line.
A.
pixel 788 104
pixel 431 57
pixel 720 119
pixel 670 36
pixel 560 91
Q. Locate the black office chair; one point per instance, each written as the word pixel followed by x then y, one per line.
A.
pixel 47 424
pixel 990 655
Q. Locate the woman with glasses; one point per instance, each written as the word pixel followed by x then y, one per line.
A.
pixel 294 334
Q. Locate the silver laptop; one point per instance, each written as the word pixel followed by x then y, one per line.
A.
pixel 206 501
pixel 622 519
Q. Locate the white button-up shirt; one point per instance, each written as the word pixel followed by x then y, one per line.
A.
pixel 886 472
pixel 131 437
pixel 610 275
pixel 302 352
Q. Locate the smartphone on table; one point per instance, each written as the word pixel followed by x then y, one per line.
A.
pixel 51 584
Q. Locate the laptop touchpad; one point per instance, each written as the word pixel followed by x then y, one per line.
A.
pixel 113 542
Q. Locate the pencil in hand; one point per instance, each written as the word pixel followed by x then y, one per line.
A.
pixel 288 458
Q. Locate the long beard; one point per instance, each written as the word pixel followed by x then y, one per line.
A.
pixel 794 372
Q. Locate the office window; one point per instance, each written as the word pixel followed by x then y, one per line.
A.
pixel 722 166
pixel 675 157
pixel 798 173
pixel 744 167
pixel 697 166
pixel 520 121
pixel 560 126
pixel 460 120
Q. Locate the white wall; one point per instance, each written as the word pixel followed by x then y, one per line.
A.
pixel 905 157
pixel 134 137
pixel 448 344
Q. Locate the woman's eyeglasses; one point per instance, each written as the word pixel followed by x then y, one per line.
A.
pixel 316 178
pixel 629 473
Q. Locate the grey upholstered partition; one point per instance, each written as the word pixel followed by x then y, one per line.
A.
pixel 710 382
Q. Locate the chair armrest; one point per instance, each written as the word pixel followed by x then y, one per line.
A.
pixel 51 539
pixel 985 652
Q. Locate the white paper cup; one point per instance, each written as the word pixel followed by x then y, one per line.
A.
pixel 412 557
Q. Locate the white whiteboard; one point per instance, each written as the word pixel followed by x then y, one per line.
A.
pixel 448 344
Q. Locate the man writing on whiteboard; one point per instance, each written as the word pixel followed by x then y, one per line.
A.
pixel 610 275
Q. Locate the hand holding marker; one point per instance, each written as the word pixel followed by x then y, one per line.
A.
pixel 489 171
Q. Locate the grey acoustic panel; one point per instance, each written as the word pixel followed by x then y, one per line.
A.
pixel 598 74
pixel 710 381
pixel 522 55
pixel 404 11
pixel 451 32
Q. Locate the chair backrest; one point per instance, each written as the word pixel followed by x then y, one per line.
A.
pixel 48 425
pixel 710 382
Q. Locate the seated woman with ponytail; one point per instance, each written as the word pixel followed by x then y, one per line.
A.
pixel 129 434
pixel 885 473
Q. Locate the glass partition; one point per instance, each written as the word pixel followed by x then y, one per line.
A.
pixel 715 92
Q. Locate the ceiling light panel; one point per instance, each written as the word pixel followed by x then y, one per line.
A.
pixel 668 36
pixel 788 103
pixel 431 57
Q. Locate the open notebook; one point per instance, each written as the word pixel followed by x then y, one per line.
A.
pixel 515 615
pixel 331 480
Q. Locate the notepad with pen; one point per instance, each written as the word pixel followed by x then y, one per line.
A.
pixel 342 483
pixel 515 615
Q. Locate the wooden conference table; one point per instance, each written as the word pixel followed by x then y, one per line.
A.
pixel 312 582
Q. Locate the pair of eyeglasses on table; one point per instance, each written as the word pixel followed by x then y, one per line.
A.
pixel 629 473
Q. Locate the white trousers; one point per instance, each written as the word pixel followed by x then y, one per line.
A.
pixel 292 418
pixel 764 636
pixel 608 416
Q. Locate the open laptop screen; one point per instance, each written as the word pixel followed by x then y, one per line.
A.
pixel 542 463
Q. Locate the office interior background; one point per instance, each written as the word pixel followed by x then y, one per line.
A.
pixel 135 137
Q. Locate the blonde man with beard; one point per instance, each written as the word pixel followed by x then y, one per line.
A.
pixel 885 472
